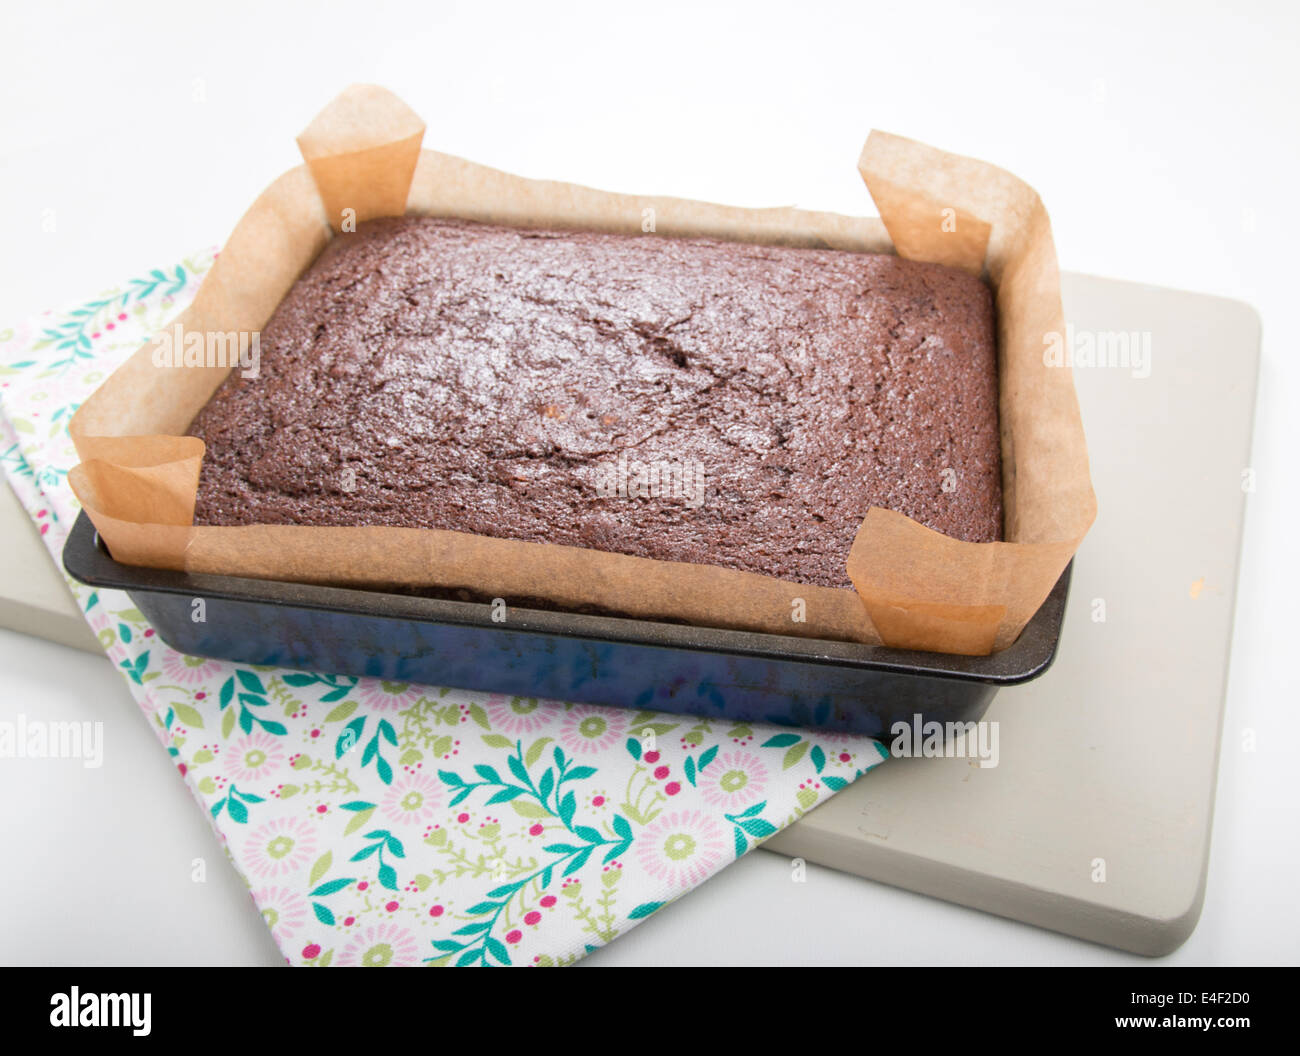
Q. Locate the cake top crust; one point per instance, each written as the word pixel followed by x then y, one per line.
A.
pixel 682 399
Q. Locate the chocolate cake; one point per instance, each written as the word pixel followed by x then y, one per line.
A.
pixel 681 399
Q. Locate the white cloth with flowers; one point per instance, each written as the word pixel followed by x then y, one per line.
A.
pixel 384 824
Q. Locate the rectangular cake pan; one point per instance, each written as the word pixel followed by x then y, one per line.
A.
pixel 735 676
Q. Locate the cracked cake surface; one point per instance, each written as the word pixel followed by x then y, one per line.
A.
pixel 434 373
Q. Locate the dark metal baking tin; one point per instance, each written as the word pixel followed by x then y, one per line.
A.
pixel 733 675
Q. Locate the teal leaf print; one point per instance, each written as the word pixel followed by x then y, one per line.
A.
pixel 72 336
pixel 372 753
pixel 252 696
pixel 349 738
pixel 383 840
pixel 235 804
pixel 321 911
pixel 136 668
pixel 251 682
pixel 747 823
pixel 337 686
pixel 548 791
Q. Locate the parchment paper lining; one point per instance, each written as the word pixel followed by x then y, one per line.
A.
pixel 915 588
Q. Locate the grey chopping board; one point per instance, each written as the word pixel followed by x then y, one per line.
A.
pixel 1096 821
pixel 34 597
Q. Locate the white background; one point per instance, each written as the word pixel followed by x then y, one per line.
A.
pixel 1163 138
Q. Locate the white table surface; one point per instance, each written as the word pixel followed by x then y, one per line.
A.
pixel 1161 138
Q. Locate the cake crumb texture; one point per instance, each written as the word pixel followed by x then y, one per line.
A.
pixel 432 373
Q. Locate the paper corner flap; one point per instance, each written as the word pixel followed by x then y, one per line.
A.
pixel 141 480
pixel 361 117
pixel 132 543
pixel 137 452
pixel 922 194
pixel 362 150
pixel 925 590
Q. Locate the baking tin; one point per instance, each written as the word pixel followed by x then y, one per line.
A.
pixel 737 676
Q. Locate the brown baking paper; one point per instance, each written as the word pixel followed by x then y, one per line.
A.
pixel 915 588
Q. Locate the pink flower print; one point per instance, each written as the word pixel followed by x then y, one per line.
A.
pixel 280 847
pixel 829 739
pixel 681 848
pixel 412 800
pixel 385 945
pixel 252 758
pixel 187 670
pixel 379 695
pixel 518 716
pixel 733 781
pixel 843 749
pixel 284 911
pixel 588 729
pixel 98 617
